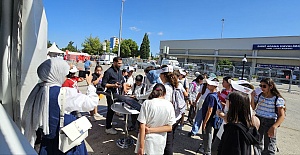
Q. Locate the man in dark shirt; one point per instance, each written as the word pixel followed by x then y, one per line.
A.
pixel 113 81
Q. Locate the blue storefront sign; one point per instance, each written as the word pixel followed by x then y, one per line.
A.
pixel 276 46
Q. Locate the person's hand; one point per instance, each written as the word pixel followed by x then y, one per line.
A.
pixel 203 126
pixel 220 113
pixel 253 94
pixel 132 96
pixel 140 151
pixel 271 131
pixel 117 85
pixel 88 78
pixel 147 130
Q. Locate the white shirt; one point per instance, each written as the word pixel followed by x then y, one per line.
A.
pixel 193 94
pixel 169 93
pixel 155 113
pixel 137 91
pixel 76 101
pixel 130 81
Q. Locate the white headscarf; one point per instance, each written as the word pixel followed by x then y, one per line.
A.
pixel 36 111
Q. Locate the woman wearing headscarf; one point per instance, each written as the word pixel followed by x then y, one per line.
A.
pixel 42 109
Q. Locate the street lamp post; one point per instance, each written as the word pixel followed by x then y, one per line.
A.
pixel 244 61
pixel 223 20
pixel 120 32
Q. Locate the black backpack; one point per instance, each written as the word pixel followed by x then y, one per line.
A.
pixel 276 109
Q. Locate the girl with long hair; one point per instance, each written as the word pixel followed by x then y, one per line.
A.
pixel 171 83
pixel 239 132
pixel 97 79
pixel 156 118
pixel 269 108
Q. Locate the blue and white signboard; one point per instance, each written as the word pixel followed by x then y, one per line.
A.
pixel 276 46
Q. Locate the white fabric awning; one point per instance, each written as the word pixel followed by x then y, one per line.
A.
pixel 54 49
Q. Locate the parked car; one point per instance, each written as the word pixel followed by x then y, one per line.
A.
pixel 103 62
pixel 147 64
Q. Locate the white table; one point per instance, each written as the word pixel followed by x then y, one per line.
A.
pixel 123 108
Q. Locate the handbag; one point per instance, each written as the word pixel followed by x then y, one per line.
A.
pixel 74 133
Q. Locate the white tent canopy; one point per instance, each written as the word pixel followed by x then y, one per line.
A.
pixel 54 49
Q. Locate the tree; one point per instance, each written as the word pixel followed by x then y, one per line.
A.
pixel 49 44
pixel 92 46
pixel 70 47
pixel 145 47
pixel 107 46
pixel 129 48
pixel 115 49
pixel 225 63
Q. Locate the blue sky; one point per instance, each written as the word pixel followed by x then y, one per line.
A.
pixel 74 20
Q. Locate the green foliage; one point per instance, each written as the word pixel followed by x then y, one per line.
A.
pixel 225 63
pixel 92 46
pixel 145 47
pixel 49 44
pixel 107 46
pixel 129 48
pixel 70 47
pixel 115 49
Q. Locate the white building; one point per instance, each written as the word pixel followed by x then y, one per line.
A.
pixel 282 51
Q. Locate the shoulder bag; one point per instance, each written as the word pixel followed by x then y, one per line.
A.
pixel 74 133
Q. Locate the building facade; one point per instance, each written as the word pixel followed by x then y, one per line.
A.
pixel 281 51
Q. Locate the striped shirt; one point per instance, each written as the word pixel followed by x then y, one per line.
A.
pixel 266 106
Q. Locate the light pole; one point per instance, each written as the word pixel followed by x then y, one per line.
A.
pixel 120 32
pixel 223 20
pixel 244 61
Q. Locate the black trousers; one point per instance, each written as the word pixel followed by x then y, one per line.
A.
pixel 170 137
pixel 110 113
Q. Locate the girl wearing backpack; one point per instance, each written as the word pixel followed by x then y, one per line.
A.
pixel 269 108
pixel 193 92
pixel 171 83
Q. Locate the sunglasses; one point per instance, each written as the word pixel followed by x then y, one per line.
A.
pixel 263 86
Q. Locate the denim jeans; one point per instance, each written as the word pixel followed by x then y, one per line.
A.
pixel 267 145
pixel 207 138
pixel 197 123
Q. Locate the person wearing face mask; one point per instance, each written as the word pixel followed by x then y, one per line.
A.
pixel 269 107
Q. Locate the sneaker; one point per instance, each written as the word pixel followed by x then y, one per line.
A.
pixel 97 115
pixel 111 131
pixel 190 134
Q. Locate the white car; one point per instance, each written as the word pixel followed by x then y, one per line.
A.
pixel 104 62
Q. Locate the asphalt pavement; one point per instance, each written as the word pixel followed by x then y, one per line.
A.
pixel 98 142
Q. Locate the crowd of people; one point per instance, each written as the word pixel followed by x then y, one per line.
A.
pixel 236 119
